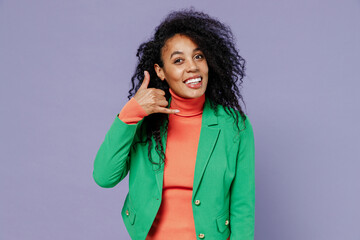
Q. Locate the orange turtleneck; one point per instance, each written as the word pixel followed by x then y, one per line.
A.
pixel 174 219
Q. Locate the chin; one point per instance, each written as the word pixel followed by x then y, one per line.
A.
pixel 189 93
pixel 194 94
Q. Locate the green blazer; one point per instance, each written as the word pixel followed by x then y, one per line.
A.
pixel 223 198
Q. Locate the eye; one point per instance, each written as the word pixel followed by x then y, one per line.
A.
pixel 178 60
pixel 199 56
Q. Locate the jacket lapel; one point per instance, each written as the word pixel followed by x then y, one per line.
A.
pixel 158 170
pixel 208 137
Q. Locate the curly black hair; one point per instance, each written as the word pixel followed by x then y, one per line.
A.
pixel 226 68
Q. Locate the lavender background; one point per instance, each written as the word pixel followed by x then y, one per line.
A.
pixel 65 68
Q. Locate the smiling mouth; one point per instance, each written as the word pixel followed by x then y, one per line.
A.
pixel 193 81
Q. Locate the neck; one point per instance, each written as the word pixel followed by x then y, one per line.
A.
pixel 188 106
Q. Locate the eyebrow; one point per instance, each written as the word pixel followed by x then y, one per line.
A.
pixel 179 52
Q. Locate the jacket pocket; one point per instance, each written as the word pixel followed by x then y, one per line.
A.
pixel 223 221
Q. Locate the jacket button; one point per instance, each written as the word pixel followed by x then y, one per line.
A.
pixel 127 212
pixel 197 202
pixel 227 222
pixel 201 235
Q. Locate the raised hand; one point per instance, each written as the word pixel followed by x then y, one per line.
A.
pixel 152 100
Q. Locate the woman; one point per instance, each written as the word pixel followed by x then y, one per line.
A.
pixel 183 137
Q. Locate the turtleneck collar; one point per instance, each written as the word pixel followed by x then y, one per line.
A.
pixel 188 106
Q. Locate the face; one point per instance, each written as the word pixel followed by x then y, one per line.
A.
pixel 184 67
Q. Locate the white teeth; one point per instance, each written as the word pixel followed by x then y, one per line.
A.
pixel 194 80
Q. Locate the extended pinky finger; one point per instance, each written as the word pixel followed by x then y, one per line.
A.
pixel 167 110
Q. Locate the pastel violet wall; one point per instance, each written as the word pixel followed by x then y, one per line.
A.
pixel 65 68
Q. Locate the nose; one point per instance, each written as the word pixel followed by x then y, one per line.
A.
pixel 192 66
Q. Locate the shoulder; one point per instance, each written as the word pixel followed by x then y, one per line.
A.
pixel 226 117
pixel 233 130
pixel 232 124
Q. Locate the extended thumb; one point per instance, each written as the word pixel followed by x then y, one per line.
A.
pixel 146 80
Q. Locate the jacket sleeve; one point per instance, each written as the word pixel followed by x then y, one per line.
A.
pixel 242 198
pixel 111 163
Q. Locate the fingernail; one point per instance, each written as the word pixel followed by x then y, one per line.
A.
pixel 176 111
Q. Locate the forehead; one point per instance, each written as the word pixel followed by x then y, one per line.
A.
pixel 180 43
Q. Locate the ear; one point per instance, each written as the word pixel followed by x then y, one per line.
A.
pixel 159 72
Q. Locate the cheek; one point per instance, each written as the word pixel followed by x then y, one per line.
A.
pixel 175 74
pixel 204 67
